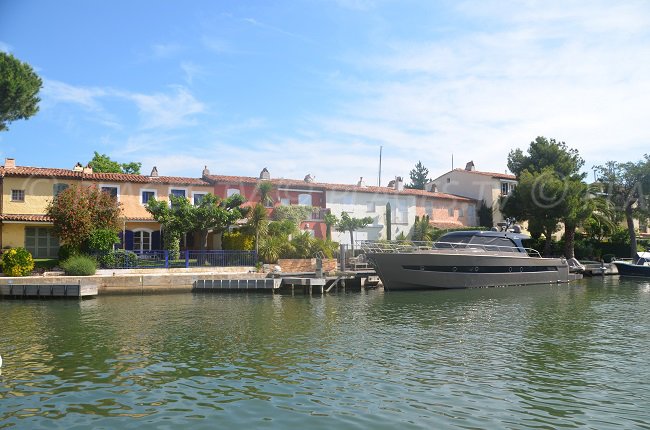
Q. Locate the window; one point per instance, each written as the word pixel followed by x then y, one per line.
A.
pixel 450 212
pixel 112 190
pixel 58 188
pixel 285 202
pixel 370 207
pixel 428 208
pixel 177 192
pixel 142 240
pixel 232 191
pixel 197 198
pixel 448 180
pixel 460 212
pixel 41 243
pixel 507 188
pixel 147 195
pixel 17 195
pixel 304 199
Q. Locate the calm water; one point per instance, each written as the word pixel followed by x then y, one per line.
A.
pixel 573 356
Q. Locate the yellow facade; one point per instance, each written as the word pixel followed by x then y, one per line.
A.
pixel 38 193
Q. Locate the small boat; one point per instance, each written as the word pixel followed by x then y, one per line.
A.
pixel 639 269
pixel 464 259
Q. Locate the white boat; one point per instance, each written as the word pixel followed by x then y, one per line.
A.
pixel 464 259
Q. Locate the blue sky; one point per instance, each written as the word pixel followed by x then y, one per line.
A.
pixel 318 86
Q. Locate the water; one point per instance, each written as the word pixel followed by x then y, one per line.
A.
pixel 562 356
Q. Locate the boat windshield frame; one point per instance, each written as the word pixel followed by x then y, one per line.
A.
pixel 393 247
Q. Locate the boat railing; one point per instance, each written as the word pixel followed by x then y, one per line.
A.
pixel 401 246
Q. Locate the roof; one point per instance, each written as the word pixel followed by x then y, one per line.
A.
pixel 42 172
pixel 25 218
pixel 279 182
pixel 446 225
pixel 490 174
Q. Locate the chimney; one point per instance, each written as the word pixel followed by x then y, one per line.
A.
pixel 88 170
pixel 361 183
pixel 431 187
pixel 399 183
pixel 206 172
pixel 10 163
pixel 470 166
pixel 265 175
pixel 154 172
pixel 78 167
pixel 309 178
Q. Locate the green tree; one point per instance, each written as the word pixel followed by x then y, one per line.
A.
pixel 214 214
pixel 175 220
pixel 102 163
pixel 258 223
pixel 265 188
pixel 348 223
pixel 422 230
pixel 485 215
pixel 78 211
pixel 627 186
pixel 330 221
pixel 389 222
pixel 419 177
pixel 19 87
pixel 554 191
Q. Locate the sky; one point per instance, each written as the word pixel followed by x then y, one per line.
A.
pixel 319 86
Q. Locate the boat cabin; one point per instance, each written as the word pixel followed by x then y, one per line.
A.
pixel 488 240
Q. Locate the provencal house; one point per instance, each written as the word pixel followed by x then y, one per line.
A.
pixel 468 182
pixel 27 191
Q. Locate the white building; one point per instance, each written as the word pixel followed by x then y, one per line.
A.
pixel 468 182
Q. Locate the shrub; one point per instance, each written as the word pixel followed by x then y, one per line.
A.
pixel 79 265
pixel 102 240
pixel 236 240
pixel 17 262
pixel 67 251
pixel 118 259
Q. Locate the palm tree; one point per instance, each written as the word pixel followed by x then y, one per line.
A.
pixel 330 220
pixel 258 222
pixel 265 189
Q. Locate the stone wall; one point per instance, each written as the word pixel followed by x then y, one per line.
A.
pixel 295 265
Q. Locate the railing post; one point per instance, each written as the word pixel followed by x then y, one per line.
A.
pixel 187 258
pixel 166 253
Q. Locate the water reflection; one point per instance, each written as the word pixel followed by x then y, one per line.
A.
pixel 524 357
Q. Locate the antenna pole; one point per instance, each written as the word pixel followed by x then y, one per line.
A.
pixel 452 161
pixel 379 181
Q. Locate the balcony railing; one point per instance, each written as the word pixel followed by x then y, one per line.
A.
pixel 161 259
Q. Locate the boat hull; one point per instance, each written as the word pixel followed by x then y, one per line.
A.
pixel 629 269
pixel 436 270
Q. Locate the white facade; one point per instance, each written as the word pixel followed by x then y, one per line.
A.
pixel 485 186
pixel 360 204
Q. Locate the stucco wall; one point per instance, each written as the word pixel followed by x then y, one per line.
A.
pixel 38 194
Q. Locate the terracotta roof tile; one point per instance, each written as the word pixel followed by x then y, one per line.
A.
pixel 278 182
pixel 25 217
pixel 491 174
pixel 109 177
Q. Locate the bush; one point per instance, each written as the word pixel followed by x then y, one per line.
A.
pixel 118 259
pixel 236 240
pixel 67 251
pixel 102 240
pixel 79 265
pixel 17 262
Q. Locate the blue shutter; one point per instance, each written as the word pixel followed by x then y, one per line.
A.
pixel 129 240
pixel 155 241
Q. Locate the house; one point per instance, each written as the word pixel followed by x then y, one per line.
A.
pixel 445 210
pixel 284 192
pixel 26 192
pixel 480 186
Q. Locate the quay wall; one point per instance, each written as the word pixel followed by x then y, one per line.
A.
pixel 146 282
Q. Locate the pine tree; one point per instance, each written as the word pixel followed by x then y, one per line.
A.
pixel 419 177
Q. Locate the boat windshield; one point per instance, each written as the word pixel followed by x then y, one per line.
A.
pixel 489 243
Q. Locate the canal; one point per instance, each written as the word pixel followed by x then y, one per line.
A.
pixel 561 356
